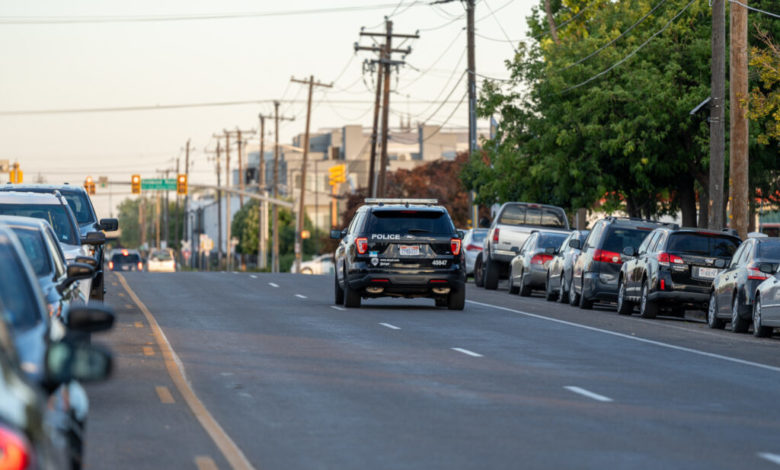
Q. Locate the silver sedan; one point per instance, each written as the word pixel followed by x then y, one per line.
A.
pixel 528 270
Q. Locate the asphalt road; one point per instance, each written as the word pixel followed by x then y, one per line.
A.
pixel 264 372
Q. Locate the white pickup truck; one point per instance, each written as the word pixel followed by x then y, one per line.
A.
pixel 512 224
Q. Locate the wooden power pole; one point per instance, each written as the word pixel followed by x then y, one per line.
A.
pixel 738 149
pixel 717 116
pixel 262 214
pixel 275 251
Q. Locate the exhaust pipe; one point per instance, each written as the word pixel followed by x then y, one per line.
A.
pixel 441 290
pixel 374 290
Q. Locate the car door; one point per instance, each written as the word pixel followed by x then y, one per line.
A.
pixel 730 278
pixel 586 255
pixel 634 267
pixel 556 267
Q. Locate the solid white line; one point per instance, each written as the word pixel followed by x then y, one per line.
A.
pixel 633 338
pixel 273 284
pixel 467 352
pixel 300 296
pixel 392 327
pixel 253 276
pixel 336 307
pixel 587 393
pixel 774 458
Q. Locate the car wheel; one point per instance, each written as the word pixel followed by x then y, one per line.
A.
pixel 624 307
pixel 457 299
pixel 549 294
pixel 647 308
pixel 738 324
pixel 712 314
pixel 585 303
pixel 351 296
pixel 338 297
pixel 574 297
pixel 491 274
pixel 525 291
pixel 513 289
pixel 479 272
pixel 759 330
pixel 563 294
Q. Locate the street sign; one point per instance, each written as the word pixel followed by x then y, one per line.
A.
pixel 160 184
pixel 103 181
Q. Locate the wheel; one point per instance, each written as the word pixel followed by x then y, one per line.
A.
pixel 624 307
pixel 525 291
pixel 759 331
pixel 549 294
pixel 98 292
pixel 585 303
pixel 647 308
pixel 563 294
pixel 574 297
pixel 479 273
pixel 338 297
pixel 513 289
pixel 712 314
pixel 491 274
pixel 738 324
pixel 441 302
pixel 457 299
pixel 351 296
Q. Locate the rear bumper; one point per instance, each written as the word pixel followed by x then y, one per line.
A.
pixel 600 286
pixel 679 297
pixel 406 284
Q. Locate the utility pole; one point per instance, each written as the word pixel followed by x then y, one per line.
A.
pixel 157 219
pixel 299 230
pixel 176 232
pixel 372 169
pixel 275 253
pixel 738 150
pixel 219 209
pixel 142 219
pixel 472 84
pixel 262 219
pixel 717 115
pixel 385 50
pixel 186 229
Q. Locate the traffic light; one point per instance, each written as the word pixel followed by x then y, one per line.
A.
pixel 181 184
pixel 337 174
pixel 16 175
pixel 89 185
pixel 135 184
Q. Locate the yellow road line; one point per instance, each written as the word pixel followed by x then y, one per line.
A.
pixel 229 449
pixel 204 462
pixel 165 395
pixel 138 324
pixel 148 351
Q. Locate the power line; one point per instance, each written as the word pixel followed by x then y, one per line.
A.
pixel 448 96
pixel 500 26
pixel 441 126
pixel 755 9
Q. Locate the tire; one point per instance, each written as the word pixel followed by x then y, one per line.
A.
pixel 563 294
pixel 738 324
pixel 574 297
pixel 624 306
pixel 712 314
pixel 549 294
pixel 513 289
pixel 98 292
pixel 647 308
pixel 338 297
pixel 491 274
pixel 351 296
pixel 525 291
pixel 441 302
pixel 585 303
pixel 759 331
pixel 479 272
pixel 456 300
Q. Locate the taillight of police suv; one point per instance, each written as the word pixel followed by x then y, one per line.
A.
pixel 14 450
pixel 362 245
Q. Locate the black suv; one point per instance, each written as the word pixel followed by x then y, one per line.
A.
pixel 673 268
pixel 595 274
pixel 81 205
pixel 400 248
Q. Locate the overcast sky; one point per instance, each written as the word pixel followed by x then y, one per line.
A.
pixel 82 65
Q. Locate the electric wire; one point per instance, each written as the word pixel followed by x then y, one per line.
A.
pixel 757 10
pixel 441 126
pixel 500 26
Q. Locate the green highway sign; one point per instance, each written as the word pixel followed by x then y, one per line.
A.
pixel 159 184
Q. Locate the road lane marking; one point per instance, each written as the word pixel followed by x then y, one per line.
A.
pixel 336 307
pixel 774 458
pixel 586 393
pixel 273 284
pixel 138 324
pixel 226 445
pixel 165 395
pixel 300 296
pixel 467 352
pixel 632 338
pixel 253 276
pixel 204 462
pixel 121 294
pixel 128 306
pixel 148 351
pixel 392 327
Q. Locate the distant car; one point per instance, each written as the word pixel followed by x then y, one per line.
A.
pixel 161 261
pixel 528 270
pixel 472 246
pixel 322 264
pixel 559 271
pixel 673 268
pixel 125 260
pixel 766 303
pixel 733 290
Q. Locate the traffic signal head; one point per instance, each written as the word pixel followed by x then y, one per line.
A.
pixel 181 184
pixel 337 174
pixel 135 184
pixel 89 185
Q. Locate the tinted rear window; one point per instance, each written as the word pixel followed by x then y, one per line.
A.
pixel 409 222
pixel 702 244
pixel 552 240
pixel 479 236
pixel 769 249
pixel 56 215
pixel 519 214
pixel 621 237
pixel 161 256
pixel 129 258
pixel 32 242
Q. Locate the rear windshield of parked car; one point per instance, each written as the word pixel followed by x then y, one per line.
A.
pixel 414 222
pixel 128 258
pixel 16 292
pixel 478 237
pixel 161 256
pixel 32 242
pixel 56 215
pixel 769 249
pixel 552 240
pixel 521 214
pixel 80 206
pixel 621 237
pixel 702 244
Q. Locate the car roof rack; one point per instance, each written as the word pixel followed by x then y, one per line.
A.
pixel 400 201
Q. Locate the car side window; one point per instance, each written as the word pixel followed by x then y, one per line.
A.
pixel 57 257
pixel 737 256
pixel 593 238
pixel 643 248
pixel 353 225
pixel 564 248
pixel 658 243
pixel 743 258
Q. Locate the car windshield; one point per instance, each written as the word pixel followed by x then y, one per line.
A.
pixel 621 237
pixel 32 242
pixel 521 214
pixel 16 292
pixel 552 240
pixel 702 244
pixel 420 222
pixel 55 214
pixel 126 258
pixel 769 249
pixel 79 204
pixel 161 256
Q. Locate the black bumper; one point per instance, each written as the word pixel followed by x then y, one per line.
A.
pixel 405 284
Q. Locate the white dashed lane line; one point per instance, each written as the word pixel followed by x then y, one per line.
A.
pixel 467 352
pixel 336 307
pixel 273 284
pixel 253 276
pixel 589 394
pixel 301 296
pixel 774 458
pixel 392 327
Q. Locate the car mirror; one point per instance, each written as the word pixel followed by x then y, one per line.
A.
pixel 575 244
pixel 629 251
pixel 83 362
pixel 551 251
pixel 109 225
pixel 461 234
pixel 90 318
pixel 515 249
pixel 720 263
pixel 336 234
pixel 76 272
pixel 87 260
pixel 94 238
pixel 767 268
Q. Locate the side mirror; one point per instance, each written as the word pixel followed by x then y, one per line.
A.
pixel 76 272
pixel 90 318
pixel 720 263
pixel 574 243
pixel 337 234
pixel 629 251
pixel 461 234
pixel 109 225
pixel 94 238
pixel 87 260
pixel 766 268
pixel 83 362
pixel 551 251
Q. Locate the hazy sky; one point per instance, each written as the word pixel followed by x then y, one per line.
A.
pixel 119 64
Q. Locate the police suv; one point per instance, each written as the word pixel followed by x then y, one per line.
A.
pixel 400 248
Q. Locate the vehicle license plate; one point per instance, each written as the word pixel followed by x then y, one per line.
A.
pixel 409 250
pixel 708 273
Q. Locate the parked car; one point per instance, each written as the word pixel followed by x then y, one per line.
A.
pixel 161 261
pixel 595 274
pixel 81 205
pixel 321 264
pixel 673 268
pixel 528 270
pixel 733 290
pixel 513 223
pixel 559 271
pixel 125 260
pixel 766 303
pixel 473 239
